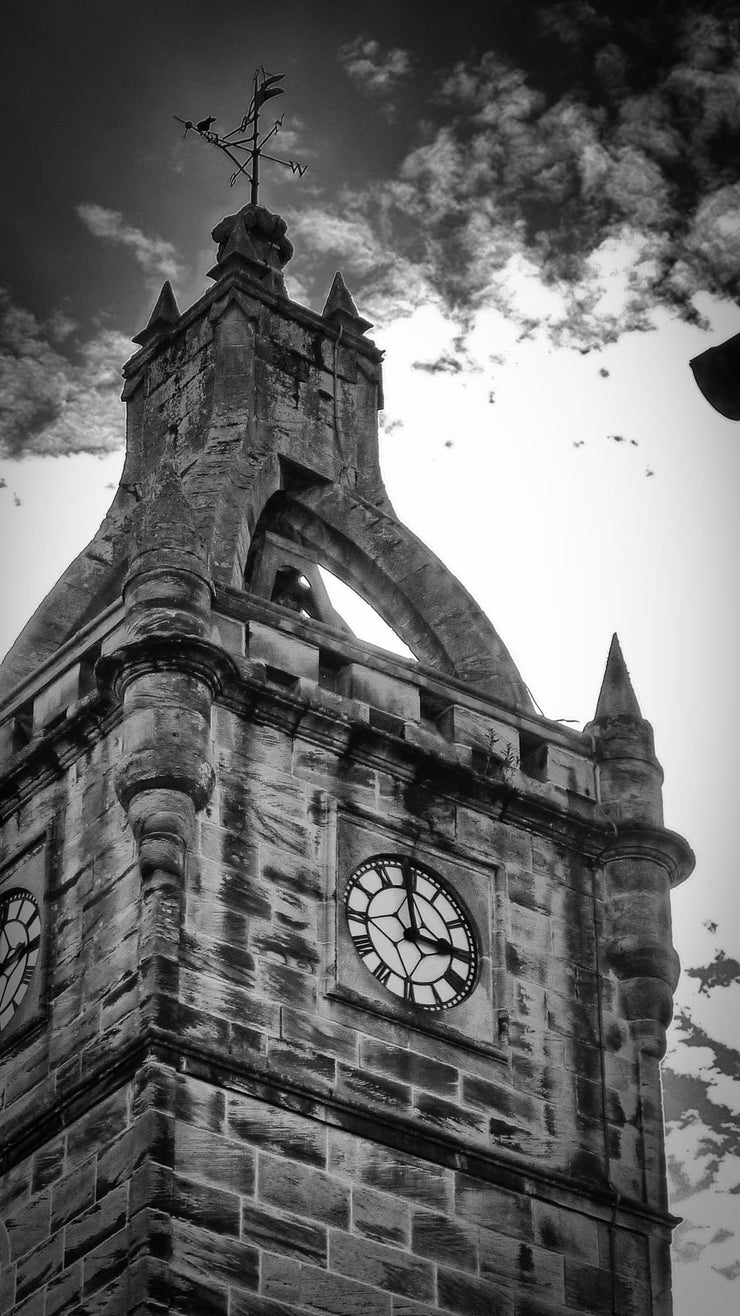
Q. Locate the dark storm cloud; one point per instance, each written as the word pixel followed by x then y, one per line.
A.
pixel 596 159
pixel 50 404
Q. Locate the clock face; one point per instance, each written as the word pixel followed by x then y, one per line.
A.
pixel 411 932
pixel 20 939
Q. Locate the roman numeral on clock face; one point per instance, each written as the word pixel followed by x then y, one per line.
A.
pixel 455 980
pixel 363 944
pixel 384 876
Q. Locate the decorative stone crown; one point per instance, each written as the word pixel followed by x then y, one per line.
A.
pixel 254 236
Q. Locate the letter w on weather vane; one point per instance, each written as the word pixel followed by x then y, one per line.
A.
pixel 244 140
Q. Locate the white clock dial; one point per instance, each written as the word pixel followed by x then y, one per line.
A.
pixel 411 932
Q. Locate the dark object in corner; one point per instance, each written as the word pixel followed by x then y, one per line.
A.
pixel 717 372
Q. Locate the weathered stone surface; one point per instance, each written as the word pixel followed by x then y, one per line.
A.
pixel 319 1291
pixel 381 1216
pixel 281 1132
pixel 307 1192
pixel 386 1267
pixel 437 1236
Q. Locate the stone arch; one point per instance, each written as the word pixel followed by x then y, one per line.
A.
pixel 399 576
pixel 249 487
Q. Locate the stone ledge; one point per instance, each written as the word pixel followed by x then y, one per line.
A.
pixel 155 1048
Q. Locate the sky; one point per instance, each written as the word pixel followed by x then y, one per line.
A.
pixel 538 206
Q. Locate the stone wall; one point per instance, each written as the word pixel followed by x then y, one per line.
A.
pixel 257 1115
pixel 70 1136
pixel 401 1167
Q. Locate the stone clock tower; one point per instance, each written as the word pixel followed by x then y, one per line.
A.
pixel 331 982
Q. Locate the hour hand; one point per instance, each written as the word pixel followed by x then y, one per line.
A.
pixel 17 953
pixel 436 945
pixel 12 959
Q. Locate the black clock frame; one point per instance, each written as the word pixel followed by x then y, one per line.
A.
pixel 468 957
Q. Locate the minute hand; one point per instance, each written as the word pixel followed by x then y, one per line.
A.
pixel 408 882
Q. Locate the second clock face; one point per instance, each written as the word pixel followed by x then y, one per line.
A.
pixel 20 936
pixel 411 932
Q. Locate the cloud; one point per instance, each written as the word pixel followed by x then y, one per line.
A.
pixel 375 72
pixel 155 255
pixel 701 1089
pixel 578 184
pixel 52 404
pixel 350 240
pixel 723 971
pixel 389 283
pixel 445 365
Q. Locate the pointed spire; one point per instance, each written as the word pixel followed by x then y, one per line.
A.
pixel 164 317
pixel 340 307
pixel 616 697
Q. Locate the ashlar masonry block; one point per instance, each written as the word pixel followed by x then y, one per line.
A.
pixel 282 651
pixel 487 734
pixel 390 694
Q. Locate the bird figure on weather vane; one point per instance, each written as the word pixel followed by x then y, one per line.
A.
pixel 244 140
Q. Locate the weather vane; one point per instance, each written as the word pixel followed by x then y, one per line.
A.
pixel 244 140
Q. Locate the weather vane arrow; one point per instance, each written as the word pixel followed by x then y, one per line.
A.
pixel 243 144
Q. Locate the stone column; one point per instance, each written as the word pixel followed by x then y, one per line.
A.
pixel 641 865
pixel 165 676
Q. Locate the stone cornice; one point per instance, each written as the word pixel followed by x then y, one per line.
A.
pixel 20 1139
pixel 238 278
pixel 48 756
pixel 657 844
pixel 75 647
pixel 163 653
pixel 305 710
pixel 242 606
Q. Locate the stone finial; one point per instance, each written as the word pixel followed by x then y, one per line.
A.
pixel 340 307
pixel 630 777
pixel 164 317
pixel 253 239
pixel 616 697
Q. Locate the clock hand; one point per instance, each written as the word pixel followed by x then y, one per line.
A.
pixel 408 884
pixel 12 959
pixel 18 954
pixel 438 944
